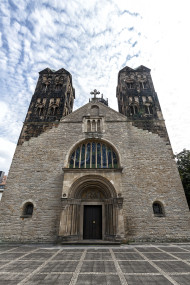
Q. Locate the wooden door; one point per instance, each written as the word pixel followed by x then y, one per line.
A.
pixel 92 225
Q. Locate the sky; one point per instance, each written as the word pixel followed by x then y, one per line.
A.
pixel 93 40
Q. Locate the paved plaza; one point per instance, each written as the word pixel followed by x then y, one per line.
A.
pixel 162 264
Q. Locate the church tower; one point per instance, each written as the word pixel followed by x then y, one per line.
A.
pixel 53 99
pixel 138 100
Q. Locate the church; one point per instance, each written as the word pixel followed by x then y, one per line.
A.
pixel 94 174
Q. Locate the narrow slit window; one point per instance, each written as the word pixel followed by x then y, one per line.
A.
pixel 93 126
pixel 88 156
pixel 104 161
pixel 71 165
pixel 82 162
pixel 109 158
pixel 98 155
pixel 77 157
pixel 88 126
pixel 93 155
pixel 114 160
pixel 98 126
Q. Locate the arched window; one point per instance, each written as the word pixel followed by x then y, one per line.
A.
pixel 136 109
pixel 93 126
pixel 93 154
pixel 158 209
pixel 144 85
pixel 133 109
pixel 151 109
pixel 52 111
pixel 40 111
pixel 28 209
pixel 88 126
pixel 98 126
pixel 130 85
pixel 148 109
pixel 55 111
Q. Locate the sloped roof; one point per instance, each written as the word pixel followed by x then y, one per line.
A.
pixel 142 68
pixel 139 68
pixel 51 71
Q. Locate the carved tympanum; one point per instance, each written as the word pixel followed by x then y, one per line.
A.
pixel 92 194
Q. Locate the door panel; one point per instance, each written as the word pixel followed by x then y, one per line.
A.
pixel 92 225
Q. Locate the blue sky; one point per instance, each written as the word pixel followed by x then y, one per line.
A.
pixel 93 40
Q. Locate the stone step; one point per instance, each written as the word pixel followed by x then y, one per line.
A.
pixel 91 242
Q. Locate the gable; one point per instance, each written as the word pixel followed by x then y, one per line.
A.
pixel 88 110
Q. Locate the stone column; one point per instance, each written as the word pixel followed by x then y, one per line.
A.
pixel 120 231
pixel 110 220
pixel 69 220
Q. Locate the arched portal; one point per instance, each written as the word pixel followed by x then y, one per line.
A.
pixel 91 211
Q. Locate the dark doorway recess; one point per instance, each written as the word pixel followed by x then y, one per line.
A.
pixel 92 228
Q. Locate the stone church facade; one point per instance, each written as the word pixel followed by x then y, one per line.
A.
pixel 94 174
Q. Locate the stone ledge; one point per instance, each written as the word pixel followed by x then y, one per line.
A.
pixel 92 169
pixel 26 216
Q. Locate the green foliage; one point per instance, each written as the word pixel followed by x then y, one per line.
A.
pixel 183 163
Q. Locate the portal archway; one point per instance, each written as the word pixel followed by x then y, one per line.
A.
pixel 91 210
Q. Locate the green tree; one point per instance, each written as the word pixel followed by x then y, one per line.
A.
pixel 183 163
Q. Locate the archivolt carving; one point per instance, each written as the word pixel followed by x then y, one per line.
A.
pixel 96 182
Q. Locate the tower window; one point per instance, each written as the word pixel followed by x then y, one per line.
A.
pixel 52 111
pixel 55 110
pixel 93 155
pixel 133 109
pixel 157 209
pixel 144 85
pixel 130 85
pixel 40 111
pixel 58 87
pixel 148 109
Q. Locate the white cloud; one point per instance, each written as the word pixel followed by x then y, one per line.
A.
pixel 94 40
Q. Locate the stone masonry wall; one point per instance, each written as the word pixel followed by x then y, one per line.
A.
pixel 149 174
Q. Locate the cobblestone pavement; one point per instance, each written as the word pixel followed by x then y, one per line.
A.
pixel 162 264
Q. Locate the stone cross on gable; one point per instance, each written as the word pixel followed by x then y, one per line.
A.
pixel 95 92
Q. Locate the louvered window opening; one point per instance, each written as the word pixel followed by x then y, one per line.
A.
pixel 93 155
